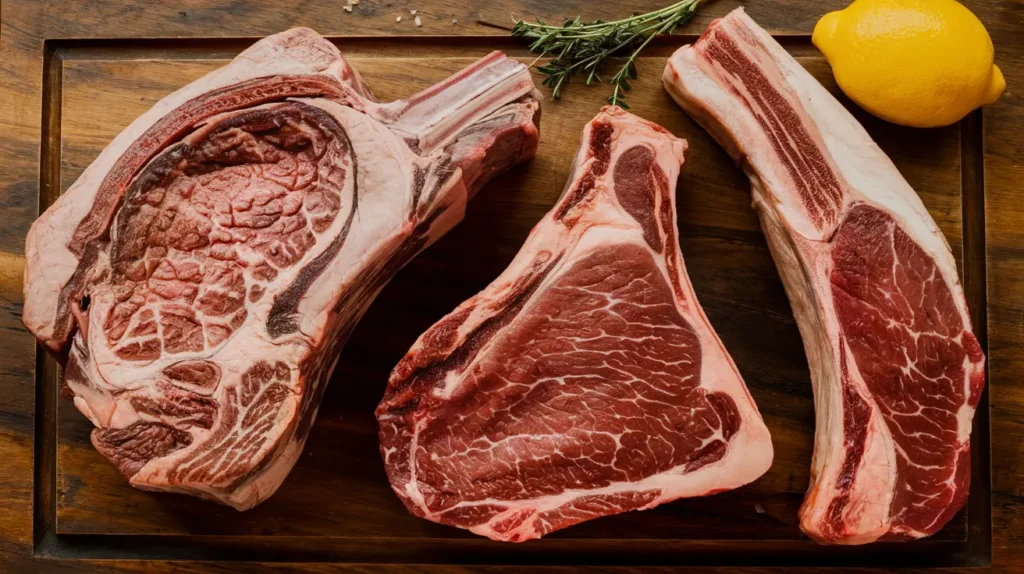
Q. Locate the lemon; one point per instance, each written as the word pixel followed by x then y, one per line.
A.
pixel 921 63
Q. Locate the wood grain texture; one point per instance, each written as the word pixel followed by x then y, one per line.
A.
pixel 1004 213
pixel 124 56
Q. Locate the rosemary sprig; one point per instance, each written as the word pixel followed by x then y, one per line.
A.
pixel 578 47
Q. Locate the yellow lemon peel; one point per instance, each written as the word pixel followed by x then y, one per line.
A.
pixel 921 63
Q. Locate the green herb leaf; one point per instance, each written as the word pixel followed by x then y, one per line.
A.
pixel 579 47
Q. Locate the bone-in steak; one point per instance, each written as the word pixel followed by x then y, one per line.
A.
pixel 897 370
pixel 208 266
pixel 585 380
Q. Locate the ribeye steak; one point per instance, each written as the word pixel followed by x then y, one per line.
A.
pixel 896 368
pixel 206 269
pixel 585 380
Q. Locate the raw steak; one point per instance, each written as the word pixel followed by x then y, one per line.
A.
pixel 207 268
pixel 897 371
pixel 585 380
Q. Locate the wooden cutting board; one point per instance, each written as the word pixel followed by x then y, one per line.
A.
pixel 75 75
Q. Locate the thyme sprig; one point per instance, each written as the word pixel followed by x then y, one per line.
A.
pixel 578 47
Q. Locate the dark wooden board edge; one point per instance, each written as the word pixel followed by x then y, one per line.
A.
pixel 47 375
pixel 479 551
pixel 975 550
pixel 975 274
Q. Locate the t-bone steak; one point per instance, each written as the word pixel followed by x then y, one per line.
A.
pixel 897 370
pixel 204 272
pixel 585 380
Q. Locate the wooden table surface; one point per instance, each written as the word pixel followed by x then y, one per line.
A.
pixel 73 74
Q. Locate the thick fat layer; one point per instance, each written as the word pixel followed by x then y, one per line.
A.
pixel 240 260
pixel 897 371
pixel 619 396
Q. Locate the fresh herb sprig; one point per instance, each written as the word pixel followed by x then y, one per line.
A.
pixel 579 47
